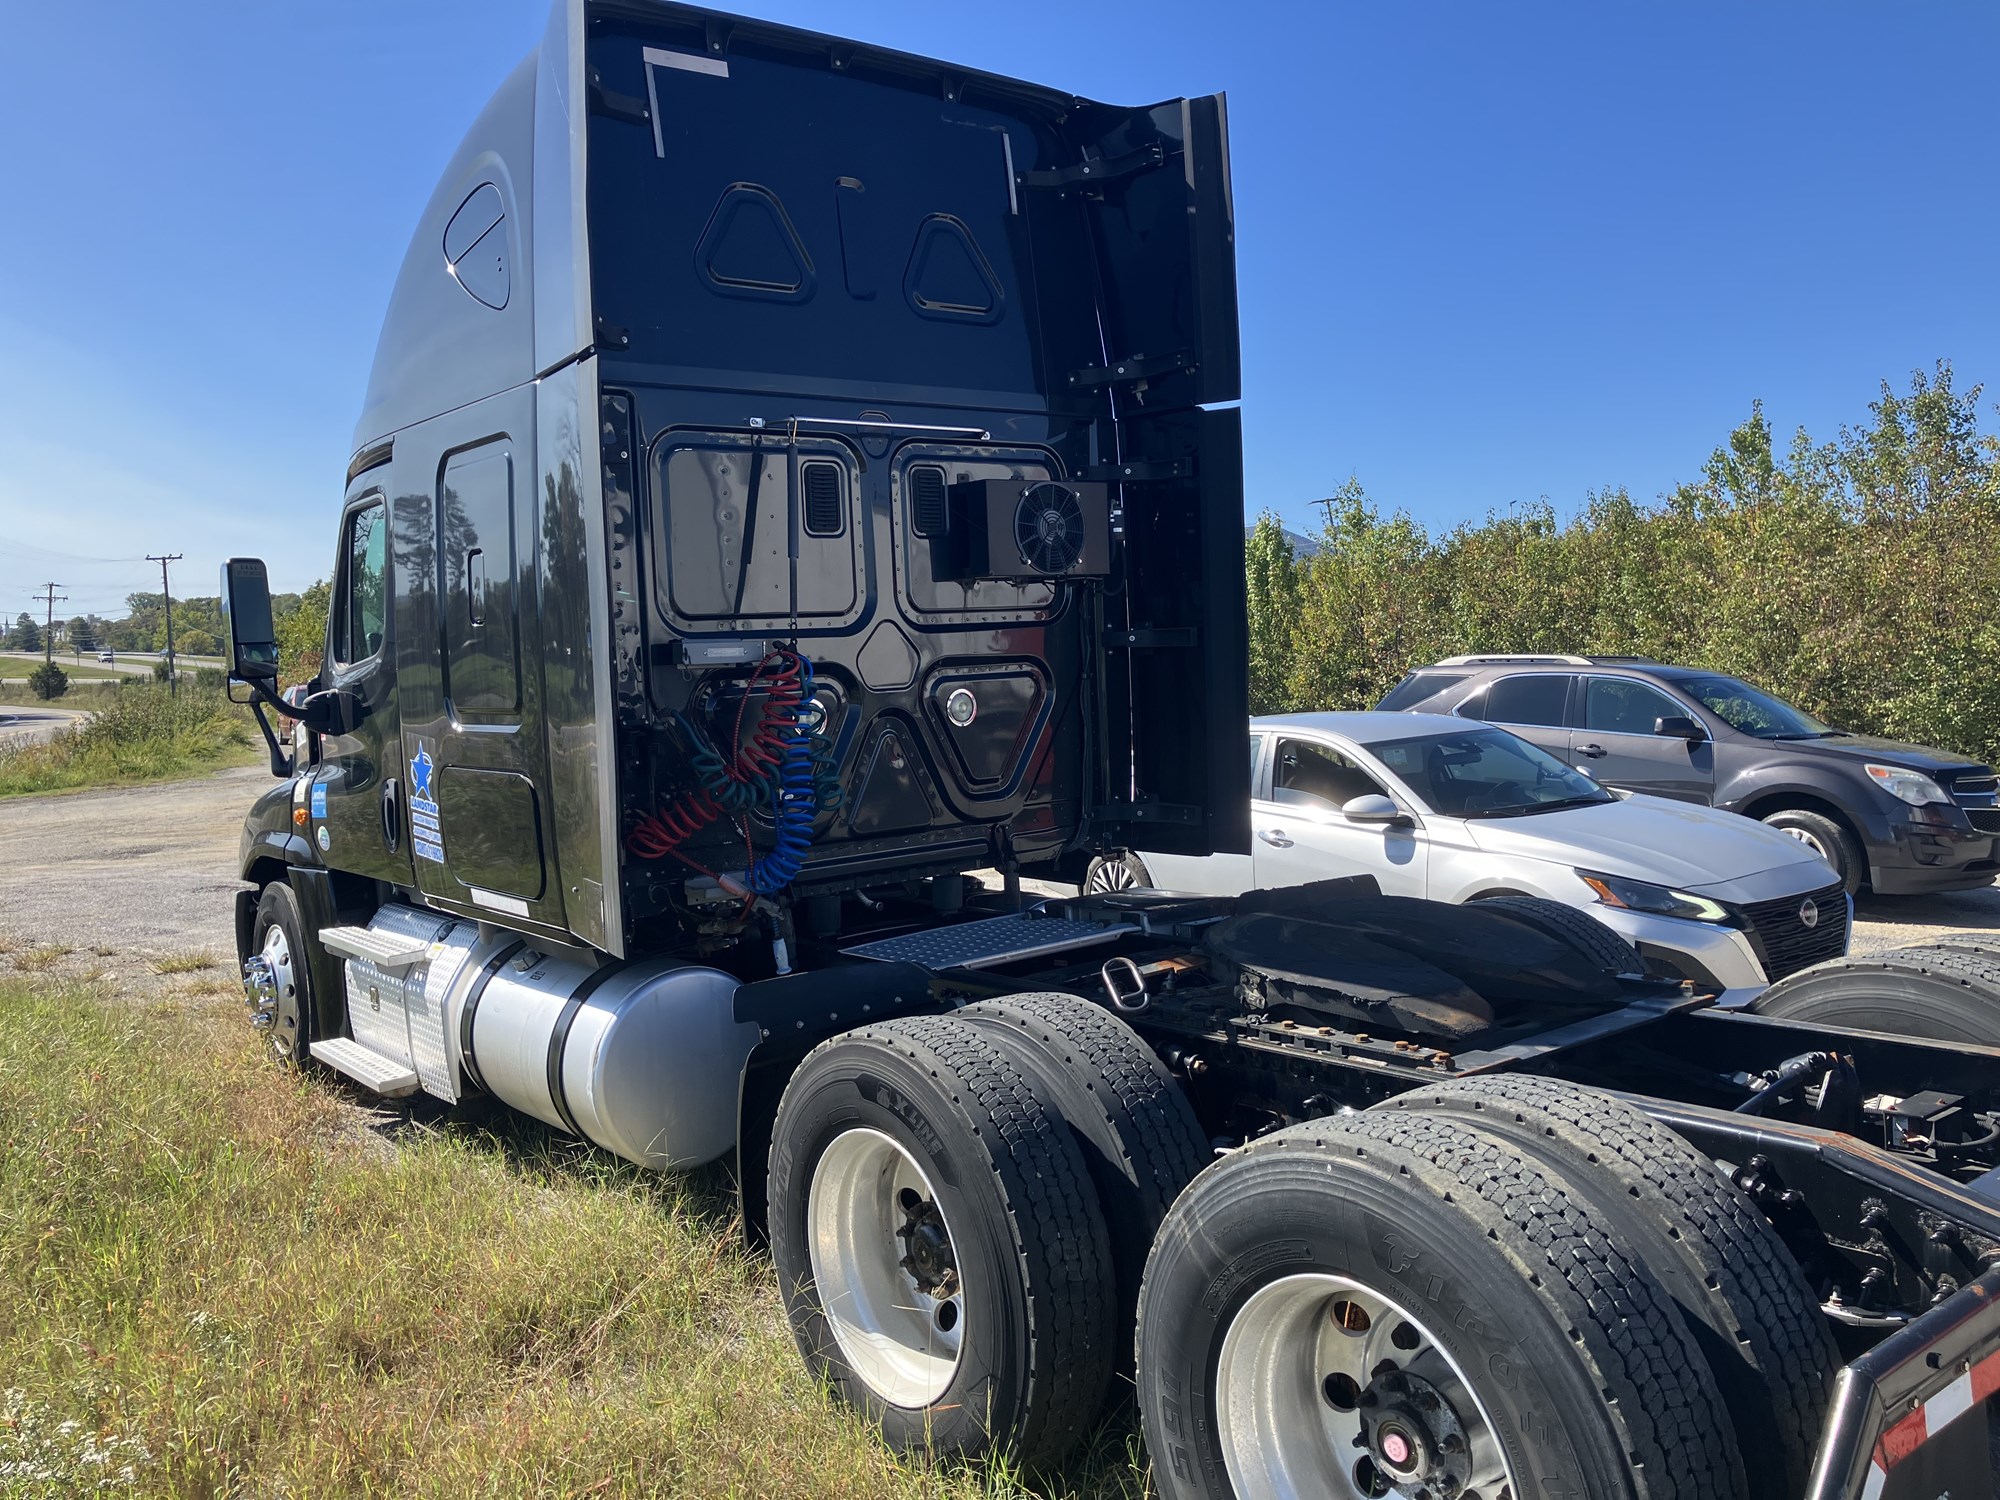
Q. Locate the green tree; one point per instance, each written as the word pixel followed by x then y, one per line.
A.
pixel 302 635
pixel 1273 599
pixel 48 681
pixel 26 635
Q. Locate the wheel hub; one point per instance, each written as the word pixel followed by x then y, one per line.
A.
pixel 260 992
pixel 927 1252
pixel 1415 1437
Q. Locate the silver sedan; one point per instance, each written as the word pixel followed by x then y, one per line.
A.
pixel 1454 811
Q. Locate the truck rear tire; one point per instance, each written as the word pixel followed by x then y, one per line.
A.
pixel 1584 932
pixel 1398 1303
pixel 279 993
pixel 1136 1129
pixel 938 1242
pixel 1946 994
pixel 1737 1287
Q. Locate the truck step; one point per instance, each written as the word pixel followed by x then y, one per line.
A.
pixel 385 950
pixel 384 1075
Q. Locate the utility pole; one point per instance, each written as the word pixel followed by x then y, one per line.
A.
pixel 173 686
pixel 49 630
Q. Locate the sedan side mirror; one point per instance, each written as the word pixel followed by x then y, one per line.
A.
pixel 1373 807
pixel 1680 727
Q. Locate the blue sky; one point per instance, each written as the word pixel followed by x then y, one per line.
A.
pixel 1487 252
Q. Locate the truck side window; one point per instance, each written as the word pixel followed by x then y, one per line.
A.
pixel 357 633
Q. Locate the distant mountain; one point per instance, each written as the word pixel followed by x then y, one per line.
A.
pixel 1302 546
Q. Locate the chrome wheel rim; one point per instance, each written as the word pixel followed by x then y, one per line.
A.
pixel 271 991
pixel 1326 1388
pixel 885 1269
pixel 1810 840
pixel 1112 875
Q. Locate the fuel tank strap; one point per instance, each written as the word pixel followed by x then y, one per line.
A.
pixel 493 966
pixel 559 1039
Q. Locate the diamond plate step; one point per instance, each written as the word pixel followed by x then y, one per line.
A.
pixel 371 1070
pixel 385 950
pixel 996 940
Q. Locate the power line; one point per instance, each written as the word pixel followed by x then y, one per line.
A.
pixel 173 686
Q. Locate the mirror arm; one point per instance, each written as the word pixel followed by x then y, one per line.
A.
pixel 281 763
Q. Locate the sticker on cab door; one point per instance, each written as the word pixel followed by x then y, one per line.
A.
pixel 319 801
pixel 426 837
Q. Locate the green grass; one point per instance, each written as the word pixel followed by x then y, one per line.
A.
pixel 80 695
pixel 233 1288
pixel 139 733
pixel 21 666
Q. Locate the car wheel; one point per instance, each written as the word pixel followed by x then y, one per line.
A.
pixel 1122 871
pixel 1826 838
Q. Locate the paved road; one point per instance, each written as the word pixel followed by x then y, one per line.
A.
pixel 146 871
pixel 25 724
pixel 17 664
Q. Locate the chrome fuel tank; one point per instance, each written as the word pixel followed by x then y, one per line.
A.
pixel 642 1059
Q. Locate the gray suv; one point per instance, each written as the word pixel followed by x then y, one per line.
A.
pixel 1898 818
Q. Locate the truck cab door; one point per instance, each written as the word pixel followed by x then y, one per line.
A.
pixel 1153 185
pixel 355 805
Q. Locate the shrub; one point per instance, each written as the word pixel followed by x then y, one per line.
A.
pixel 210 679
pixel 163 670
pixel 48 681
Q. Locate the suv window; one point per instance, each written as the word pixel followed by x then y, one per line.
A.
pixel 1419 687
pixel 1310 775
pixel 363 604
pixel 1618 705
pixel 1528 698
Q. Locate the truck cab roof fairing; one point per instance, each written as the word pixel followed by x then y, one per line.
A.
pixel 481 305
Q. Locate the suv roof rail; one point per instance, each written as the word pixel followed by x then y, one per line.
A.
pixel 1499 658
pixel 1623 661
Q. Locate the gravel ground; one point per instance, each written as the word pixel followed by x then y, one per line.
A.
pixel 130 877
pixel 127 878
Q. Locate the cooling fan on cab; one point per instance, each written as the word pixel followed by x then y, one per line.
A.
pixel 1026 529
pixel 1048 528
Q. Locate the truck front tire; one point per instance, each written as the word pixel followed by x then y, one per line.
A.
pixel 1395 1302
pixel 938 1242
pixel 280 991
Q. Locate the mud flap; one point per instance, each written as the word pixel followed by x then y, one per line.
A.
pixel 1914 1418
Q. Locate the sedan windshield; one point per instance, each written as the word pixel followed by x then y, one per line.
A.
pixel 1753 711
pixel 1486 773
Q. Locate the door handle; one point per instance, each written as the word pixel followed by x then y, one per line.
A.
pixel 1275 837
pixel 1595 752
pixel 392 814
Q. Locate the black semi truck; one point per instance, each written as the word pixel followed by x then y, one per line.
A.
pixel 796 476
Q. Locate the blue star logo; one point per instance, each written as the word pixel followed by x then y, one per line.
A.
pixel 420 774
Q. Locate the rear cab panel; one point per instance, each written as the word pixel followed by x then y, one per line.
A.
pixel 830 285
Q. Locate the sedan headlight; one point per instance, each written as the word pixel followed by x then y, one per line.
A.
pixel 1913 787
pixel 1655 900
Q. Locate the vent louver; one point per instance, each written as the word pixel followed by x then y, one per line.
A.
pixel 821 483
pixel 927 503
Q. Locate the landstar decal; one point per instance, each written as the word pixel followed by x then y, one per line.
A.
pixel 426 837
